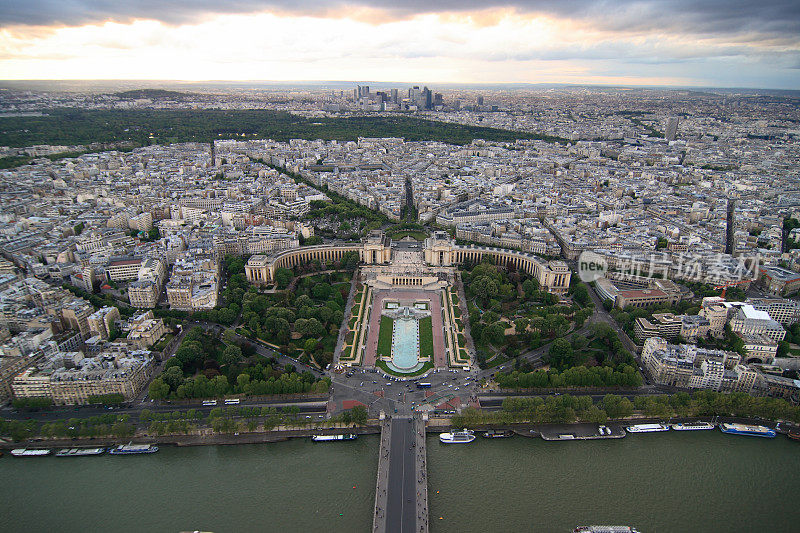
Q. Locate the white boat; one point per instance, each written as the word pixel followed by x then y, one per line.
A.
pixel 693 426
pixel 133 449
pixel 646 428
pixel 327 438
pixel 29 452
pixel 464 436
pixel 604 529
pixel 79 452
pixel 744 429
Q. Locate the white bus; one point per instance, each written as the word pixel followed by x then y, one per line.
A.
pixel 232 401
pixel 209 402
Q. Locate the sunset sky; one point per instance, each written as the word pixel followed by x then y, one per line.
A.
pixel 649 42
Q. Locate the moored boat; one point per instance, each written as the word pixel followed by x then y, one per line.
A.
pixel 30 452
pixel 794 434
pixel 646 428
pixel 747 430
pixel 498 434
pixel 464 436
pixel 693 426
pixel 132 449
pixel 79 452
pixel 604 529
pixel 326 438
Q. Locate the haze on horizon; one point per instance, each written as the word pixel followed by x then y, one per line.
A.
pixel 716 43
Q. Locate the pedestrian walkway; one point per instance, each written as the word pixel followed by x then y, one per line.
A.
pixel 401 494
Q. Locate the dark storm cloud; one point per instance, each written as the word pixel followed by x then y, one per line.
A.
pixel 758 19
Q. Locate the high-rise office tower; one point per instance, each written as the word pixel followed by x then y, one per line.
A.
pixel 672 128
pixel 729 227
pixel 395 96
pixel 427 98
pixel 480 100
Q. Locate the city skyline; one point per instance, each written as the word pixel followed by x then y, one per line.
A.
pixel 631 43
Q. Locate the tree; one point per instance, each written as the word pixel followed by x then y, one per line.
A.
pixel 282 277
pixel 581 294
pixel 579 342
pixel 158 389
pixel 219 385
pixel 229 336
pixel 173 377
pixel 309 328
pixel 359 414
pixel 494 333
pixel 560 354
pixel 616 406
pixel 783 349
pixel 313 240
pixel 484 287
pixel 231 355
pixel 321 291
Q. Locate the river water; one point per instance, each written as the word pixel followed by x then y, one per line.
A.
pixel 689 481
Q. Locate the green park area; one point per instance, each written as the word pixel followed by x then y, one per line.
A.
pixel 509 315
pixel 205 366
pixel 145 127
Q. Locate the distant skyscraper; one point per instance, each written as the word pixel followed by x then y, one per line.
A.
pixel 427 97
pixel 480 100
pixel 672 128
pixel 729 226
pixel 395 96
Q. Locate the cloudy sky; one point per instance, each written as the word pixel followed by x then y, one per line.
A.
pixel 725 43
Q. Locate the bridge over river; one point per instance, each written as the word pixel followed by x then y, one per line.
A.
pixel 401 496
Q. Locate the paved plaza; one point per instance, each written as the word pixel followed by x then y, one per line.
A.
pixel 433 299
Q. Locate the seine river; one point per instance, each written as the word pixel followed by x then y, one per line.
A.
pixel 689 481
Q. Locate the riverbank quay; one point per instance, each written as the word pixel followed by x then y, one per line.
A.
pixel 590 430
pixel 202 439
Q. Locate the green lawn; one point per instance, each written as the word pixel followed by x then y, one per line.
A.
pixel 385 337
pixel 417 235
pixel 346 353
pixel 348 339
pixel 426 337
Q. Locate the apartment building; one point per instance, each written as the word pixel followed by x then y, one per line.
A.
pixel 71 378
pixel 786 312
pixel 779 281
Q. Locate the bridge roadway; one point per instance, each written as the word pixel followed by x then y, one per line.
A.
pixel 401 495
